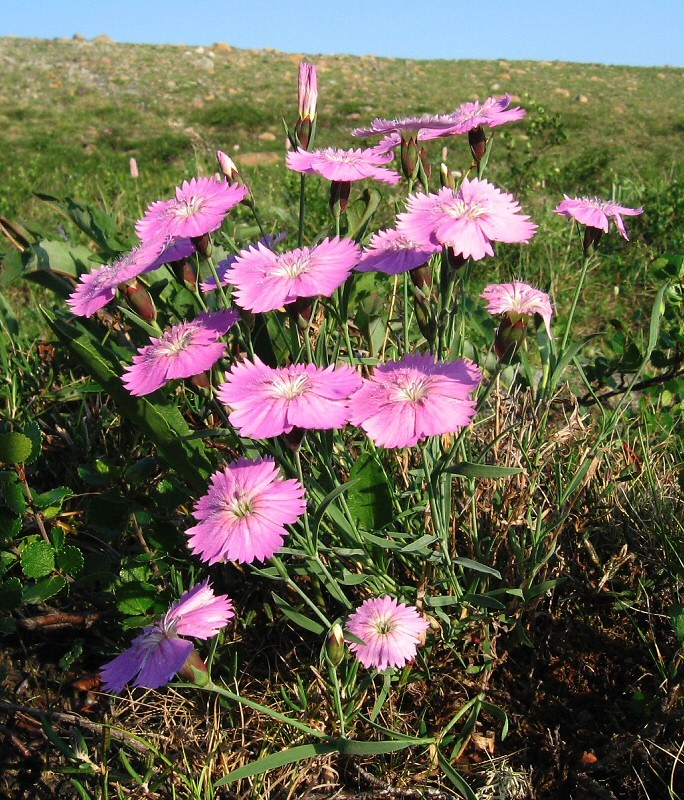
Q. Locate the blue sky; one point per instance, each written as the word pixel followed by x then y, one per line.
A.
pixel 625 32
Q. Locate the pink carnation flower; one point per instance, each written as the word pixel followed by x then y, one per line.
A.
pixel 343 166
pixel 265 280
pixel 267 402
pixel 97 288
pixel 199 207
pixel 391 252
pixel 417 128
pixel 596 213
pixel 409 400
pixel 242 517
pixel 492 112
pixel 224 267
pixel 182 351
pixel 467 219
pixel 518 301
pixel 158 653
pixel 391 633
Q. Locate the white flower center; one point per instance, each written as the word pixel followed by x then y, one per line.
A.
pixel 289 386
pixel 241 506
pixel 188 206
pixel 409 389
pixel 177 341
pixel 291 266
pixel 460 208
pixel 383 624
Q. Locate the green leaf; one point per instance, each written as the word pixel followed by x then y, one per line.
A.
pixel 469 470
pixel 10 594
pixel 468 563
pixel 297 617
pixel 420 544
pixel 161 422
pixel 15 448
pixel 32 430
pixel 53 497
pixel 327 500
pixel 135 597
pixel 370 499
pixel 455 778
pixel 12 492
pixel 38 559
pixel 677 617
pixel 70 560
pixel 302 752
pixel 44 590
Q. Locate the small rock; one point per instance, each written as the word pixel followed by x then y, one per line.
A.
pixel 354 115
pixel 102 39
pixel 199 50
pixel 204 63
pixel 582 98
pixel 562 92
pixel 267 136
pixel 495 87
pixel 515 98
pixel 78 37
pixel 222 47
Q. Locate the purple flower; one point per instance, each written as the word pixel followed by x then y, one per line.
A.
pixel 343 166
pixel 415 128
pixel 242 516
pixel 182 351
pixel 492 112
pixel 158 653
pixel 265 280
pixel 199 207
pixel 266 402
pixel 467 219
pixel 97 288
pixel 224 267
pixel 391 633
pixel 409 400
pixel 596 213
pixel 392 252
pixel 518 301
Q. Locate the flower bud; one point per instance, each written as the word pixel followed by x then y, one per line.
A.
pixel 294 438
pixel 339 197
pixel 134 168
pixel 456 260
pixel 195 670
pixel 140 300
pixel 478 143
pixel 227 166
pixel 446 177
pixel 202 244
pixel 201 381
pixel 308 98
pixel 409 157
pixel 334 645
pixel 300 310
pixel 185 273
pixel 592 237
pixel 422 279
pixel 510 336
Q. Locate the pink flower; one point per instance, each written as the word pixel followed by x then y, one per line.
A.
pixel 518 301
pixel 391 252
pixel 416 128
pixel 265 280
pixel 492 112
pixel 267 402
pixel 596 213
pixel 409 400
pixel 391 633
pixel 307 91
pixel 343 166
pixel 199 207
pixel 224 267
pixel 182 351
pixel 97 288
pixel 242 517
pixel 158 653
pixel 467 219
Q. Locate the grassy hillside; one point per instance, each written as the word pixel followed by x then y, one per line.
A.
pixel 74 112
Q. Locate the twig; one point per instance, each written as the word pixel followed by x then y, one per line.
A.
pixel 74 719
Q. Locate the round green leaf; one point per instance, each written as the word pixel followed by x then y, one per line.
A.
pixel 44 590
pixel 70 560
pixel 10 594
pixel 38 559
pixel 15 448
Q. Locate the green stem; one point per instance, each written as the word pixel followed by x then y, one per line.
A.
pixel 302 209
pixel 575 300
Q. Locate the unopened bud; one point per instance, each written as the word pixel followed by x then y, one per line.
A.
pixel 300 310
pixel 185 272
pixel 294 438
pixel 510 336
pixel 140 300
pixel 134 168
pixel 195 670
pixel 422 279
pixel 409 157
pixel 456 260
pixel 339 197
pixel 227 166
pixel 202 244
pixel 478 143
pixel 592 237
pixel 201 381
pixel 446 177
pixel 334 646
